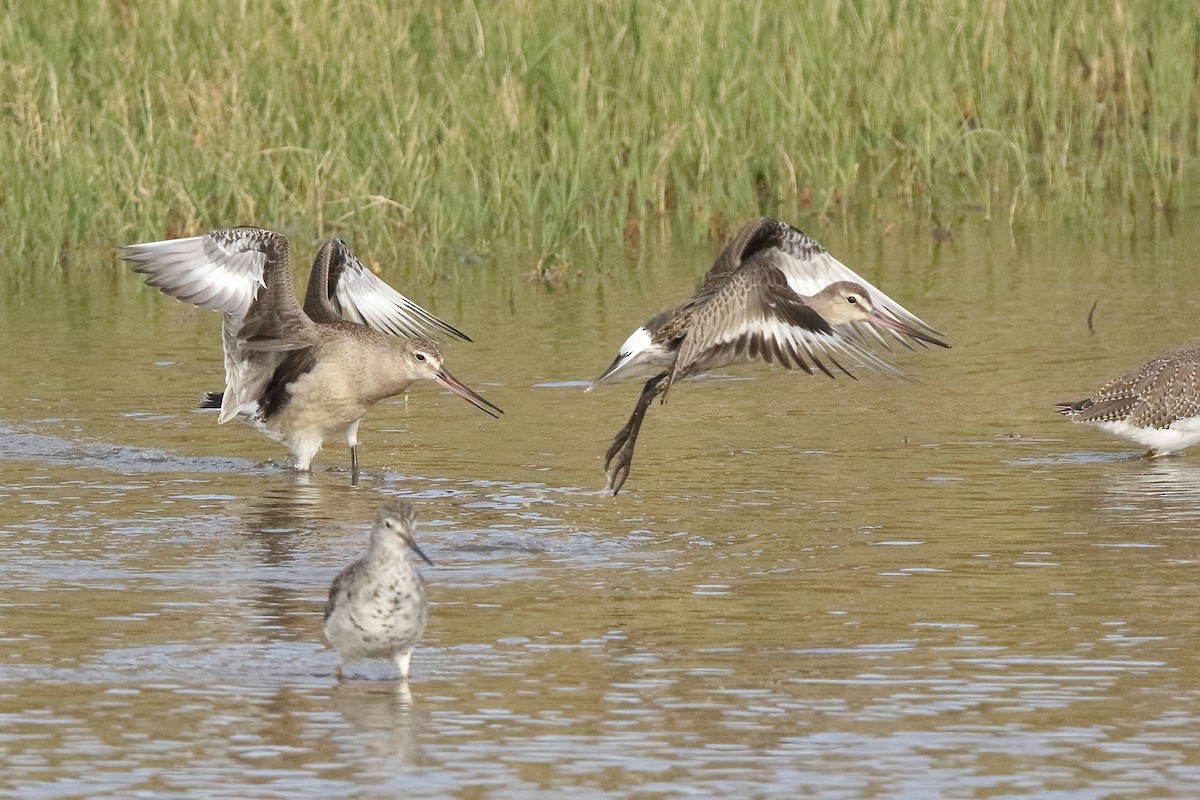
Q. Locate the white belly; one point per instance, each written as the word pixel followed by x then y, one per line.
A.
pixel 1182 433
pixel 321 402
pixel 378 621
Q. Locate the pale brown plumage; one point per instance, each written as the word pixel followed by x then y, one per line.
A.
pixel 300 374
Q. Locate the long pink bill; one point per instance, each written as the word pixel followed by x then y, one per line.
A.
pixel 452 383
pixel 883 320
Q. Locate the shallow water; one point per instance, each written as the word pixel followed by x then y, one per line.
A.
pixel 836 589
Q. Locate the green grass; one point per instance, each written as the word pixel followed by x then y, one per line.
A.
pixel 555 128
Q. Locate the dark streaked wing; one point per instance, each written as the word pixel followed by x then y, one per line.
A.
pixel 755 236
pixel 362 297
pixel 1161 392
pixel 1180 390
pixel 340 586
pixel 756 314
pixel 222 270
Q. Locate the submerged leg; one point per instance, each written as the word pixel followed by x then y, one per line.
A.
pixel 352 440
pixel 620 452
pixel 402 660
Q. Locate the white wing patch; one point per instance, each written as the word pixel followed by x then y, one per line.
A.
pixel 800 345
pixel 218 274
pixel 221 271
pixel 363 297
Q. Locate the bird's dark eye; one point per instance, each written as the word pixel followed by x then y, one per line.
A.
pixel 420 356
pixel 852 300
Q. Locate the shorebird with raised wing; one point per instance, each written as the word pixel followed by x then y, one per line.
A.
pixel 377 606
pixel 301 374
pixel 1156 406
pixel 773 294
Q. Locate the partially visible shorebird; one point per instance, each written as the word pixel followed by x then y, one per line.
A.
pixel 300 374
pixel 773 294
pixel 1156 406
pixel 377 606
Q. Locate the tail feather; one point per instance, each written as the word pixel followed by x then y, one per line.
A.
pixel 211 400
pixel 1073 408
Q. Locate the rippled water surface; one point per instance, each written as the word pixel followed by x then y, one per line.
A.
pixel 834 589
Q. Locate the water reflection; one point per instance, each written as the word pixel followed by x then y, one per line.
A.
pixel 385 720
pixel 1163 490
pixel 291 504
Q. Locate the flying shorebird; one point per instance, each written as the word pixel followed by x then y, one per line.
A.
pixel 1156 406
pixel 301 374
pixel 773 294
pixel 377 606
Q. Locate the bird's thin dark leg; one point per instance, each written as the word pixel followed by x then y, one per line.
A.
pixel 620 452
pixel 354 465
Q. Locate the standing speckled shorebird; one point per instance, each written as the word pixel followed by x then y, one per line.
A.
pixel 300 374
pixel 377 606
pixel 1156 406
pixel 773 294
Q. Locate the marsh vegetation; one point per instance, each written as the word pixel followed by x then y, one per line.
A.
pixel 557 127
